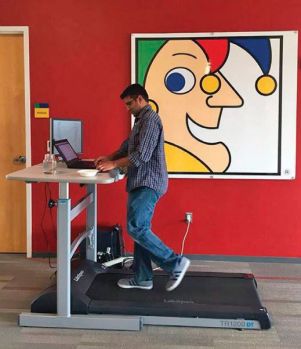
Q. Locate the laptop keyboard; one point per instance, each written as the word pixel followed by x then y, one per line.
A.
pixel 83 164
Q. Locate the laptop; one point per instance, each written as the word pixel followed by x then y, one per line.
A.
pixel 70 157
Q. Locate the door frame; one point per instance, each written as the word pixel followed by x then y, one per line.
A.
pixel 24 31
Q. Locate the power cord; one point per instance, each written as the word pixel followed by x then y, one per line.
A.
pixel 188 221
pixel 51 216
pixel 185 236
pixel 128 262
pixel 46 187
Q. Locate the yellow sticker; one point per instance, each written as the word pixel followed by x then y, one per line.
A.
pixel 41 112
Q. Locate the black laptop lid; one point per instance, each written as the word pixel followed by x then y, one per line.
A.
pixel 66 151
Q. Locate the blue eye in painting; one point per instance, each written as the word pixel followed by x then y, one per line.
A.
pixel 179 80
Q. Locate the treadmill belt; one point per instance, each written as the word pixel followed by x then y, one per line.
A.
pixel 199 295
pixel 194 289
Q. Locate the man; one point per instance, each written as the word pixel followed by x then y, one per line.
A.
pixel 143 155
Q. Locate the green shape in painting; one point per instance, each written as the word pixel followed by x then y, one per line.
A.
pixel 146 52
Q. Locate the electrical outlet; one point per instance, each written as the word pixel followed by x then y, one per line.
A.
pixel 188 217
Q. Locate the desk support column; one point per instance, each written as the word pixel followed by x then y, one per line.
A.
pixel 91 223
pixel 63 251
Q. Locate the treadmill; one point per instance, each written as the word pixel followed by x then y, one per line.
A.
pixel 203 299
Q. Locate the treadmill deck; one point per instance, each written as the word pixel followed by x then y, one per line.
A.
pixel 203 299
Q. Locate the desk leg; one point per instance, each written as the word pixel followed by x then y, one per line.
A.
pixel 63 318
pixel 91 223
pixel 63 251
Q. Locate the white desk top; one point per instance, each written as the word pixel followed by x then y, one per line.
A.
pixel 62 175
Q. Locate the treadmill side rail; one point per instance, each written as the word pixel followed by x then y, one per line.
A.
pixel 202 322
pixel 104 322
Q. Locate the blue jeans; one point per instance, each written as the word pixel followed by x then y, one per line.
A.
pixel 148 247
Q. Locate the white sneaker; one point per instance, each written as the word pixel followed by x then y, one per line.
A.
pixel 178 273
pixel 131 283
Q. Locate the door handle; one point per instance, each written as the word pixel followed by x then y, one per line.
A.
pixel 21 159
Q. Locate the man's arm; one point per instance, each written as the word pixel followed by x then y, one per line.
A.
pixel 107 165
pixel 117 159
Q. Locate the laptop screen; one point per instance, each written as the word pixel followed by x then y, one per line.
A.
pixel 66 151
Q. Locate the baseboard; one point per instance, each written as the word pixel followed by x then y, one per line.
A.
pixel 254 259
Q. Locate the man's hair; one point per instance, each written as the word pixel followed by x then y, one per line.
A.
pixel 134 91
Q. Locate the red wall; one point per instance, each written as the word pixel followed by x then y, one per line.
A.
pixel 79 64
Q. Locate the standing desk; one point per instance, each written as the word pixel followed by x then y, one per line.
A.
pixel 65 249
pixel 205 299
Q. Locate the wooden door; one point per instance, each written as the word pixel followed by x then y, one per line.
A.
pixel 12 143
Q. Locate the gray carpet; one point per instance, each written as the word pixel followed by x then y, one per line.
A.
pixel 279 287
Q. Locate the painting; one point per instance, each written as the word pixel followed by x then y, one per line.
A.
pixel 227 101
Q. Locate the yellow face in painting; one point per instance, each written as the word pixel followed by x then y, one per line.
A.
pixel 174 82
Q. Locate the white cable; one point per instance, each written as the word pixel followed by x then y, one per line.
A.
pixel 183 242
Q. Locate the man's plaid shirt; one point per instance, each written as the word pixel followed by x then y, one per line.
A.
pixel 145 149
